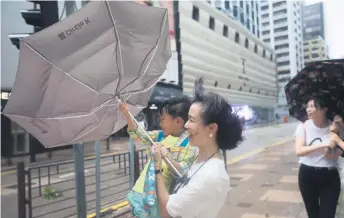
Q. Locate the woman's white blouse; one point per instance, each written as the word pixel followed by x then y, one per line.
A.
pixel 205 193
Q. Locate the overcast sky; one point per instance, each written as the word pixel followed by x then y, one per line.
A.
pixel 334 29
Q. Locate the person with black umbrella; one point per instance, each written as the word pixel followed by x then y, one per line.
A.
pixel 319 180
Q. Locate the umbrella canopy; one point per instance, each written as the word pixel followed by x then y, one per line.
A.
pixel 72 74
pixel 322 79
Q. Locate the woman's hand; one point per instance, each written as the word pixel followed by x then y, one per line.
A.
pixel 165 152
pixel 156 148
pixel 335 138
pixel 333 153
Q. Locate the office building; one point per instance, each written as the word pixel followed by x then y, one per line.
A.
pixel 315 49
pixel 246 12
pixel 313 21
pixel 281 27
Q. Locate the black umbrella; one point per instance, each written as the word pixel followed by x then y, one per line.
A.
pixel 321 79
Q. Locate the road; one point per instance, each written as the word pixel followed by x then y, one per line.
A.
pixel 114 183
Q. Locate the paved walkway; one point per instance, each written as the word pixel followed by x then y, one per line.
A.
pixel 265 186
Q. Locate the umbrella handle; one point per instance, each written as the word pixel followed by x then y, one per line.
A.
pixel 169 163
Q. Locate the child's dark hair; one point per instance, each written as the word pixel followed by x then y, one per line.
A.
pixel 217 110
pixel 177 107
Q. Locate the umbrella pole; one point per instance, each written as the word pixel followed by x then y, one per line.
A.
pixel 175 170
pixel 97 148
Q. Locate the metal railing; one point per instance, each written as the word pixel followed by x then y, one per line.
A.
pixel 49 190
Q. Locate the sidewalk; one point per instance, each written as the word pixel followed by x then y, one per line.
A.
pixel 265 186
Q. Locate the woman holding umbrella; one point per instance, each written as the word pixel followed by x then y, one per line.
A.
pixel 320 86
pixel 319 180
pixel 202 192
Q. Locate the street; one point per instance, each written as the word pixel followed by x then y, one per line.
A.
pixel 114 183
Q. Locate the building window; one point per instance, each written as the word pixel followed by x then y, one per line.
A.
pixel 225 31
pixel 227 5
pixel 266 40
pixel 264 54
pixel 265 24
pixel 237 38
pixel 195 13
pixel 235 11
pixel 246 43
pixel 241 4
pixel 265 15
pixel 264 8
pixel 255 49
pixel 279 4
pixel 284 63
pixel 281 38
pixel 280 12
pixel 282 55
pixel 266 32
pixel 271 57
pixel 281 29
pixel 284 72
pixel 279 21
pixel 282 46
pixel 211 23
pixel 315 55
pixel 307 56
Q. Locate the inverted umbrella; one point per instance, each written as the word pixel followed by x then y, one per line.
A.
pixel 321 79
pixel 72 75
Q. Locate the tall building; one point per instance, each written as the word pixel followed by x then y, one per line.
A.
pixel 246 12
pixel 281 26
pixel 313 21
pixel 315 49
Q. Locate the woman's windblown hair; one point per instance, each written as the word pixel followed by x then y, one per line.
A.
pixel 217 110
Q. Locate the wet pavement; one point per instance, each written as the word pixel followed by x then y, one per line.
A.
pixel 267 186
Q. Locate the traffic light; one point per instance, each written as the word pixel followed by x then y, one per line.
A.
pixel 39 18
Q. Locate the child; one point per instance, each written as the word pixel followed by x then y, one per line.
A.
pixel 173 116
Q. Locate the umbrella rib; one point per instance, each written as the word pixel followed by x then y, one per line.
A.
pixel 39 54
pixel 70 117
pixel 119 44
pixel 150 61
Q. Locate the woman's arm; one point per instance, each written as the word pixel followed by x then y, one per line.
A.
pixel 333 154
pixel 188 155
pixel 303 150
pixel 162 195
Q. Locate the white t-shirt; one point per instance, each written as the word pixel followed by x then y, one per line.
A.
pixel 205 193
pixel 311 132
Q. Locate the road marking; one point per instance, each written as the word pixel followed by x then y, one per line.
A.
pixel 70 174
pixel 258 150
pixel 9 172
pixel 229 162
pixel 114 208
